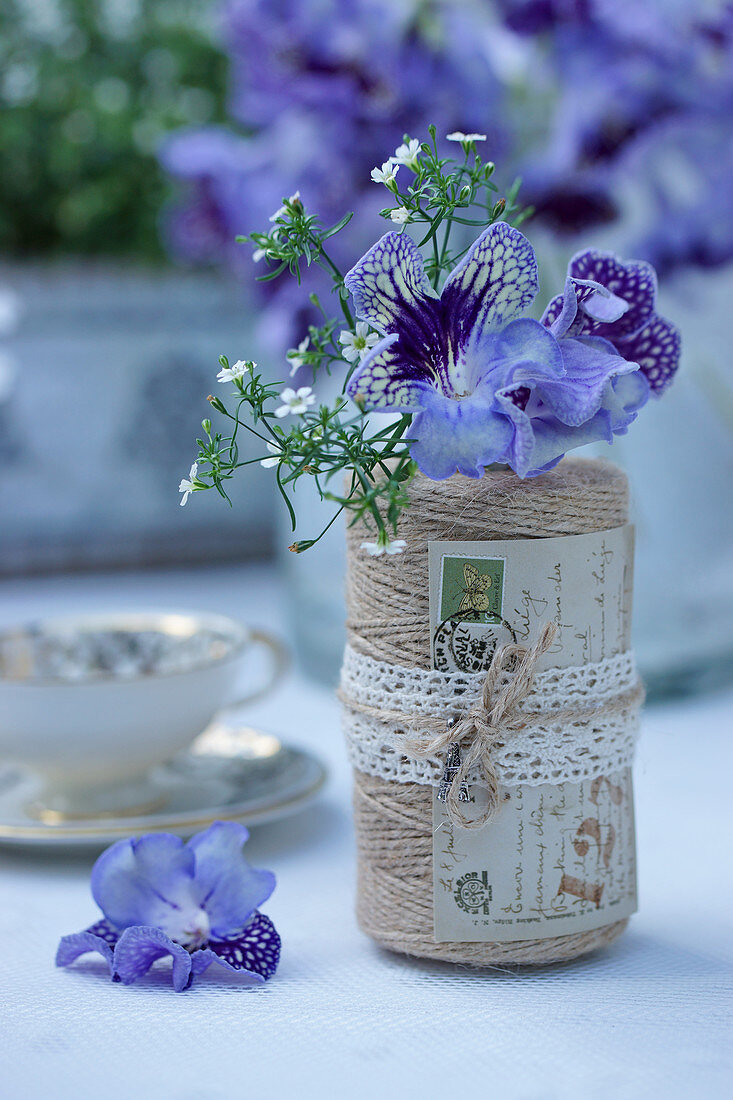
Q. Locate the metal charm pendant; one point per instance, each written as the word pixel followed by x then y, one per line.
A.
pixel 452 764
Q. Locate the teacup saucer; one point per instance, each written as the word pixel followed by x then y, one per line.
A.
pixel 230 773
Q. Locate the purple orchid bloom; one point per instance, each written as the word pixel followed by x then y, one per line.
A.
pixel 483 385
pixel 197 902
pixel 616 300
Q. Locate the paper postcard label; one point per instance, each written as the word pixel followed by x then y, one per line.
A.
pixel 483 594
pixel 555 859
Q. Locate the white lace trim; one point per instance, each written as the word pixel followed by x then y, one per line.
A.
pixel 550 752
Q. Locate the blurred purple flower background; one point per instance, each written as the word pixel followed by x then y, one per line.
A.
pixel 616 113
pixel 641 92
pixel 579 96
pixel 320 93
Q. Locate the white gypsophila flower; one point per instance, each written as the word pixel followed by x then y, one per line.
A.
pixel 274 449
pixel 464 138
pixel 407 153
pixel 386 174
pixel 187 485
pixel 357 344
pixel 376 549
pixel 295 355
pixel 238 370
pixel 401 215
pixel 283 209
pixel 295 401
pixel 258 254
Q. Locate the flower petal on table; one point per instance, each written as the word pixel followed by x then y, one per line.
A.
pixel 388 380
pixel 100 938
pixel 495 280
pixel 635 282
pixel 255 950
pixel 657 351
pixel 139 947
pixel 227 887
pixel 388 284
pixel 142 881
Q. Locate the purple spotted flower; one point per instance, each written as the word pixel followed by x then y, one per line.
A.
pixel 197 902
pixel 483 384
pixel 607 297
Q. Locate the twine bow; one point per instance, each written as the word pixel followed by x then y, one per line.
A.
pixel 477 732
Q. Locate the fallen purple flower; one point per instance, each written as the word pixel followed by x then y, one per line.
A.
pixel 196 902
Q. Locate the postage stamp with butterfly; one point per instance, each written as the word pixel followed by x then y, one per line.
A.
pixel 472 589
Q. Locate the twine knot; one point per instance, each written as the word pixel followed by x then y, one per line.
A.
pixel 472 738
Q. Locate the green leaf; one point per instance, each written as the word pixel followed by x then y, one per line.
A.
pixel 272 274
pixel 286 498
pixel 337 227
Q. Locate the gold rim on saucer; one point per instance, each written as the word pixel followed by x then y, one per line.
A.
pixel 301 778
pixel 48 816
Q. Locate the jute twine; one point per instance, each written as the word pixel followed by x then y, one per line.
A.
pixel 388 619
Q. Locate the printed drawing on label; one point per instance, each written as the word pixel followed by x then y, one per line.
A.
pixel 594 838
pixel 579 888
pixel 473 893
pixel 459 645
pixel 592 828
pixel 615 791
pixel 472 589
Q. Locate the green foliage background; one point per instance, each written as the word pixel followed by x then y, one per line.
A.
pixel 87 90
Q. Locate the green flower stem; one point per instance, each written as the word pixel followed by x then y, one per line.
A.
pixel 436 260
pixel 369 493
pixel 241 424
pixel 307 544
pixel 338 279
pixel 446 239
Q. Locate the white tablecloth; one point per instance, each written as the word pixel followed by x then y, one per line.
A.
pixel 650 1016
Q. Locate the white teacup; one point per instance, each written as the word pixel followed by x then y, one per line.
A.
pixel 91 703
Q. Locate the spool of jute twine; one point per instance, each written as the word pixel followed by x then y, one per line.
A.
pixel 388 620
